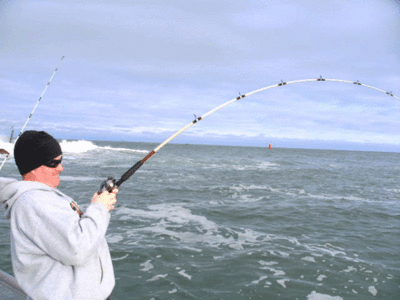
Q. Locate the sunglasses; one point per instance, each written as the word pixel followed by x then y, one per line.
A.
pixel 53 163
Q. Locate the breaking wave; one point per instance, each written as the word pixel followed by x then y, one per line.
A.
pixel 83 146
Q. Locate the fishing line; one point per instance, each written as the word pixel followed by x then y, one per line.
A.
pixel 111 183
pixel 33 110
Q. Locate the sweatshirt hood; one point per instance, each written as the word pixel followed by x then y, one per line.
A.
pixel 11 190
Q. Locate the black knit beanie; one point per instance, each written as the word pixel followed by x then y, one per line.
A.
pixel 34 149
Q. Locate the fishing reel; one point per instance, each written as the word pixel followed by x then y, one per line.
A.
pixel 108 185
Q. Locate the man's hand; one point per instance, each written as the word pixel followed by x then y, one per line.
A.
pixel 108 199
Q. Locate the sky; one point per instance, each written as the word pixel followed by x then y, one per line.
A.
pixel 140 71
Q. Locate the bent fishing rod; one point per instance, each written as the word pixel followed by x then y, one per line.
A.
pixel 33 110
pixel 112 183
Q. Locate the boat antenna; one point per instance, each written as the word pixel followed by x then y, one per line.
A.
pixel 111 183
pixel 33 111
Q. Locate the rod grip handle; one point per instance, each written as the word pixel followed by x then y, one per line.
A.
pixel 129 173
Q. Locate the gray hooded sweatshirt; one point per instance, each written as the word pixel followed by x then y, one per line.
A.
pixel 55 253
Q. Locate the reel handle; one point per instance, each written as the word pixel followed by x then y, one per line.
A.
pixel 107 185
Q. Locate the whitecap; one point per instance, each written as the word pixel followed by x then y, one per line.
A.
pixel 282 282
pixel 327 248
pixel 193 249
pixel 157 277
pixel 349 269
pixel 114 239
pixel 83 146
pixel 321 277
pixel 121 258
pixel 259 280
pixel 147 266
pixel 184 274
pixel 275 271
pixel 317 296
pixel 308 258
pixel 124 149
pixel 372 290
pixel 267 263
pixel 283 254
pixel 80 146
pixel 261 166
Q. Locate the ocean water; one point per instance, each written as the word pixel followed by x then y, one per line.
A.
pixel 217 222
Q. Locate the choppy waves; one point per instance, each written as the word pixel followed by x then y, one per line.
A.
pixel 204 222
pixel 83 146
pixel 80 146
pixel 278 260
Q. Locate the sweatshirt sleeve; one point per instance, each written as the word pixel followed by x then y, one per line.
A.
pixel 47 220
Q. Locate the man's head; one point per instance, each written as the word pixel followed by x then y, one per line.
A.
pixel 38 157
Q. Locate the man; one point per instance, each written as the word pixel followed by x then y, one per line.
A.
pixel 57 251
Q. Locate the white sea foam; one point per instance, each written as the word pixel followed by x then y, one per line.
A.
pixel 372 290
pixel 243 187
pixel 184 274
pixel 114 239
pixel 265 165
pixel 260 166
pixel 338 197
pixel 259 280
pixel 77 146
pixel 157 277
pixel 267 263
pixel 284 254
pixel 193 249
pixel 290 192
pixel 266 267
pixel 325 249
pixel 124 149
pixel 246 198
pixel 147 266
pixel 349 269
pixel 120 258
pixel 317 296
pixel 243 192
pixel 191 231
pixel 175 216
pixel 321 277
pixel 282 282
pixel 180 224
pixel 83 146
pixel 308 258
pixel 267 284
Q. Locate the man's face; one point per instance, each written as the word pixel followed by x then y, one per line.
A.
pixel 49 176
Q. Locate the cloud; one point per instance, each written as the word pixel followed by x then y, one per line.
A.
pixel 142 69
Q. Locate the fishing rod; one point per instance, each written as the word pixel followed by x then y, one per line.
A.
pixel 33 110
pixel 12 134
pixel 112 183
